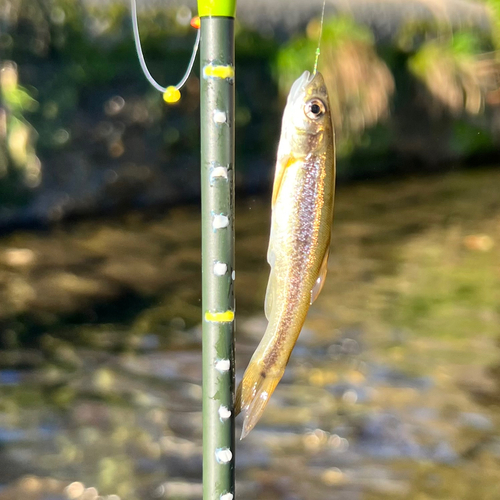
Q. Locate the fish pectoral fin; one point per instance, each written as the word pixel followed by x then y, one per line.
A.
pixel 282 164
pixel 253 394
pixel 318 285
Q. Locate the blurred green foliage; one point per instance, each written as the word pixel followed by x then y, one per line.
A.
pixel 300 52
pixel 73 59
pixel 461 45
pixel 18 160
pixel 347 57
pixel 453 68
pixel 494 6
pixel 76 59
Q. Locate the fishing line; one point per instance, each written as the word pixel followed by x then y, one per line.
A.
pixel 318 50
pixel 171 93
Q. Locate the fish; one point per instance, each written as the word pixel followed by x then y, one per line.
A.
pixel 299 243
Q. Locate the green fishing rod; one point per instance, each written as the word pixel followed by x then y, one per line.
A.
pixel 217 196
pixel 215 38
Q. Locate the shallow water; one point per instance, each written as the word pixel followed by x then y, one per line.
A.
pixel 393 390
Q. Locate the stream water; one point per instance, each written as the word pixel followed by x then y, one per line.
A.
pixel 392 392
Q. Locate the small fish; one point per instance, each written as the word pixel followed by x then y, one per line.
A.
pixel 299 245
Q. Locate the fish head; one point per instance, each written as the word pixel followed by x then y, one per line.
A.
pixel 307 117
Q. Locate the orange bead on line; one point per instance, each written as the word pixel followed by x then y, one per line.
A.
pixel 195 22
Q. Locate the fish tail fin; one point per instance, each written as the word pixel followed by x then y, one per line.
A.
pixel 253 393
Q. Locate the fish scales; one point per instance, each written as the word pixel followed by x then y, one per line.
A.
pixel 301 236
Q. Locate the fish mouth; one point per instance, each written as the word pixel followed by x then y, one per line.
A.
pixel 299 85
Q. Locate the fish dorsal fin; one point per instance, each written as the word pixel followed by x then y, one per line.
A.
pixel 282 164
pixel 318 285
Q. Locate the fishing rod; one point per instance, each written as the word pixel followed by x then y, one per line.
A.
pixel 216 40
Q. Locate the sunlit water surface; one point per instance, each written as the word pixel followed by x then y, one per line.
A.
pixel 392 392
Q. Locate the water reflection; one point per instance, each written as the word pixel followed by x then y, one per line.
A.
pixel 392 391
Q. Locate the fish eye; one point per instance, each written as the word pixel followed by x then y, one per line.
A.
pixel 314 109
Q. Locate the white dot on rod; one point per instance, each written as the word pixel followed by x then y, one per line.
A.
pixel 220 221
pixel 219 173
pixel 223 455
pixel 224 412
pixel 220 268
pixel 220 116
pixel 223 365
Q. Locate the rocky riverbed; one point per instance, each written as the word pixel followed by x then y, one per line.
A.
pixel 392 391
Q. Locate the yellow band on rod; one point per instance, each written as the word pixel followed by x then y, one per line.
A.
pixel 219 317
pixel 214 71
pixel 210 8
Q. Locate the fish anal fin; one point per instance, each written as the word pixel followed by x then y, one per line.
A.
pixel 282 164
pixel 318 285
pixel 271 288
pixel 253 394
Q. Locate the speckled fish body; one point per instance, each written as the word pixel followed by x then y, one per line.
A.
pixel 302 214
